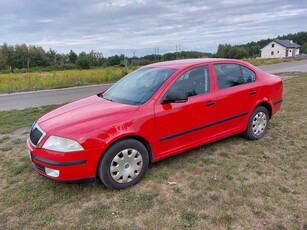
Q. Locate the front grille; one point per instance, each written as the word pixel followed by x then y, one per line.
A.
pixel 39 167
pixel 36 134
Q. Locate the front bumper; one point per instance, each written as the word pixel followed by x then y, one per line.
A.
pixel 66 167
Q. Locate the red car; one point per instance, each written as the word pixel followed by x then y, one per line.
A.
pixel 155 112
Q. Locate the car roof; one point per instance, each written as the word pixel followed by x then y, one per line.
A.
pixel 178 64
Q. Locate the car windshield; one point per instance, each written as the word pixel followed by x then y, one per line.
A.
pixel 137 87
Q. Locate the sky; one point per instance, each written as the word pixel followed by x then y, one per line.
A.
pixel 144 27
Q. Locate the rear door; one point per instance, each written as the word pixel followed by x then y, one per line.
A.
pixel 235 97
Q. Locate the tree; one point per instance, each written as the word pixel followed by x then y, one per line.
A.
pixel 304 48
pixel 38 57
pixel 83 61
pixel 224 51
pixel 7 55
pixel 2 61
pixel 52 56
pixel 72 57
pixel 114 60
pixel 96 58
pixel 21 56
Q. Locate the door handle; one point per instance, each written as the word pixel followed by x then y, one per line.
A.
pixel 252 92
pixel 210 103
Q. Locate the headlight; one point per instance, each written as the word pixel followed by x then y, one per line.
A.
pixel 62 144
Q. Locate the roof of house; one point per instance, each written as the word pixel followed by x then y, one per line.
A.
pixel 287 43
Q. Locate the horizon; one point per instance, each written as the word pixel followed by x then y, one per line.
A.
pixel 143 28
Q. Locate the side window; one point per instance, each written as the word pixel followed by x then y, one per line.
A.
pixel 193 82
pixel 248 75
pixel 228 75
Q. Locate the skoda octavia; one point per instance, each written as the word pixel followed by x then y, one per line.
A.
pixel 154 112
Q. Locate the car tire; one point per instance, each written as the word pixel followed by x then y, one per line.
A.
pixel 123 164
pixel 257 124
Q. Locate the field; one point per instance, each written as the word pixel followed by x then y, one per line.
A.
pixel 58 79
pixel 230 184
pixel 31 81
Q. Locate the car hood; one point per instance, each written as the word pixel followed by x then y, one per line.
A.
pixel 83 113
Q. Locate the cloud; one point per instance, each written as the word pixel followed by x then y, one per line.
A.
pixel 122 26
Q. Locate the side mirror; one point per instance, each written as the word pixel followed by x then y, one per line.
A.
pixel 175 97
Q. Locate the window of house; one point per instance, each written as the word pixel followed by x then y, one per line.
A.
pixel 273 45
pixel 193 82
pixel 278 52
pixel 290 51
pixel 272 52
pixel 229 75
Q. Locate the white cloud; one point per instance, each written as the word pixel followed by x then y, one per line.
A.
pixel 125 25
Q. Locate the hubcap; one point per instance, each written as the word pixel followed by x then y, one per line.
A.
pixel 259 123
pixel 126 165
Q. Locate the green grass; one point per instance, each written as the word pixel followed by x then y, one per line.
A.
pixel 58 79
pixel 12 120
pixel 230 184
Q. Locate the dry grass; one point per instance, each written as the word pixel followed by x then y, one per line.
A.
pixel 230 184
pixel 58 79
pixel 270 61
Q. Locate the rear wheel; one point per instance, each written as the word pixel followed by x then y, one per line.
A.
pixel 257 124
pixel 123 164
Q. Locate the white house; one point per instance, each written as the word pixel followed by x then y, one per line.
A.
pixel 280 49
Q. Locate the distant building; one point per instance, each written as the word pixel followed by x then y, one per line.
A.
pixel 135 61
pixel 280 49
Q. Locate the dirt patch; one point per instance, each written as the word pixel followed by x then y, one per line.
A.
pixel 287 75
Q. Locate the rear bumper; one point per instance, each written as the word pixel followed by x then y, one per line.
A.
pixel 73 167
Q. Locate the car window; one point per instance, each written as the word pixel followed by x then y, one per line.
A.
pixel 193 82
pixel 248 75
pixel 137 87
pixel 229 75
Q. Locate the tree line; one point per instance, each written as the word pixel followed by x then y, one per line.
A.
pixel 252 49
pixel 26 57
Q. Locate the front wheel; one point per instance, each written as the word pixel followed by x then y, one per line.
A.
pixel 257 124
pixel 124 164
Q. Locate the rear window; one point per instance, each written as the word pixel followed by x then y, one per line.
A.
pixel 229 75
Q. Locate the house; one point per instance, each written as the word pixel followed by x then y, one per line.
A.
pixel 280 49
pixel 135 60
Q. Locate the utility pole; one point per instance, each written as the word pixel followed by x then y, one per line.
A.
pixel 126 66
pixel 177 51
pixel 157 54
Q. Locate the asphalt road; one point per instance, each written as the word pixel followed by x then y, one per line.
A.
pixel 59 96
pixel 47 97
pixel 296 66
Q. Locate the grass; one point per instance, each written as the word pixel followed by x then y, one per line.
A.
pixel 15 119
pixel 229 184
pixel 270 61
pixel 58 79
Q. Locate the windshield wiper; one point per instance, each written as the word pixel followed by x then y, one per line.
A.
pixel 108 99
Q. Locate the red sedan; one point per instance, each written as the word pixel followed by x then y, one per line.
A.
pixel 155 112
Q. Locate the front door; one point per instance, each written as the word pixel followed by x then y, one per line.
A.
pixel 181 126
